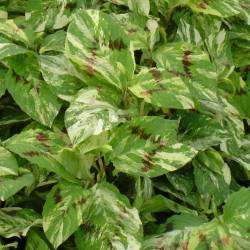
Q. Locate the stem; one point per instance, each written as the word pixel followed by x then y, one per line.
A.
pixel 125 99
pixel 142 108
pixel 102 168
pixel 214 209
pixel 138 197
pixel 169 15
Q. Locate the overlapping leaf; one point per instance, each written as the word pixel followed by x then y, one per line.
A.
pixel 35 240
pixel 2 82
pixel 7 48
pixel 225 8
pixel 162 89
pixel 141 149
pixel 14 29
pixel 97 43
pixel 10 186
pixel 186 61
pixel 88 115
pixel 41 147
pixel 17 221
pixel 110 221
pixel 63 212
pixel 210 234
pixel 48 14
pixel 34 98
pixel 124 124
pixel 60 74
pixel 8 164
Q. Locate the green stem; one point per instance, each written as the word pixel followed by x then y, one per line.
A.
pixel 102 168
pixel 169 15
pixel 125 99
pixel 138 198
pixel 142 108
pixel 215 211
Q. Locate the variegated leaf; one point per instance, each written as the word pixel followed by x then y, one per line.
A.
pixel 89 115
pixel 226 234
pixel 53 42
pixel 34 98
pixel 36 241
pixel 41 147
pixel 63 212
pixel 184 60
pixel 110 222
pixel 8 164
pixel 98 44
pixel 7 49
pixel 141 149
pixel 162 88
pixel 16 222
pixel 220 8
pixel 15 30
pixel 61 75
pixel 10 186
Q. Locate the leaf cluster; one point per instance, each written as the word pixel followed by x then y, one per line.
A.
pixel 124 124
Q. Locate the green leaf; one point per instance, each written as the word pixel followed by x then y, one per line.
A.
pixel 41 147
pixel 237 213
pixel 143 32
pixel 8 164
pixel 225 8
pixel 121 2
pixel 159 203
pixel 35 99
pixel 104 104
pixel 2 82
pixel 238 151
pixel 181 181
pixel 7 49
pixel 15 5
pixel 192 198
pixel 7 246
pixel 212 160
pixel 36 241
pixel 17 221
pixel 10 117
pixel 203 131
pixel 110 221
pixel 12 29
pixel 220 8
pixel 241 102
pixel 201 237
pixel 188 62
pixel 61 75
pixel 98 44
pixel 196 29
pixel 207 33
pixel 9 187
pixel 140 149
pixel 229 234
pixel 47 15
pixel 139 6
pixel 76 163
pixel 211 186
pixel 182 221
pixel 162 89
pixel 25 66
pixel 63 212
pixel 88 115
pixel 53 42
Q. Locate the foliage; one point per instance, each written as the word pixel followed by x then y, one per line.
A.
pixel 124 124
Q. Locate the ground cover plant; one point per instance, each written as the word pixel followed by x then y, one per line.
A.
pixel 124 124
